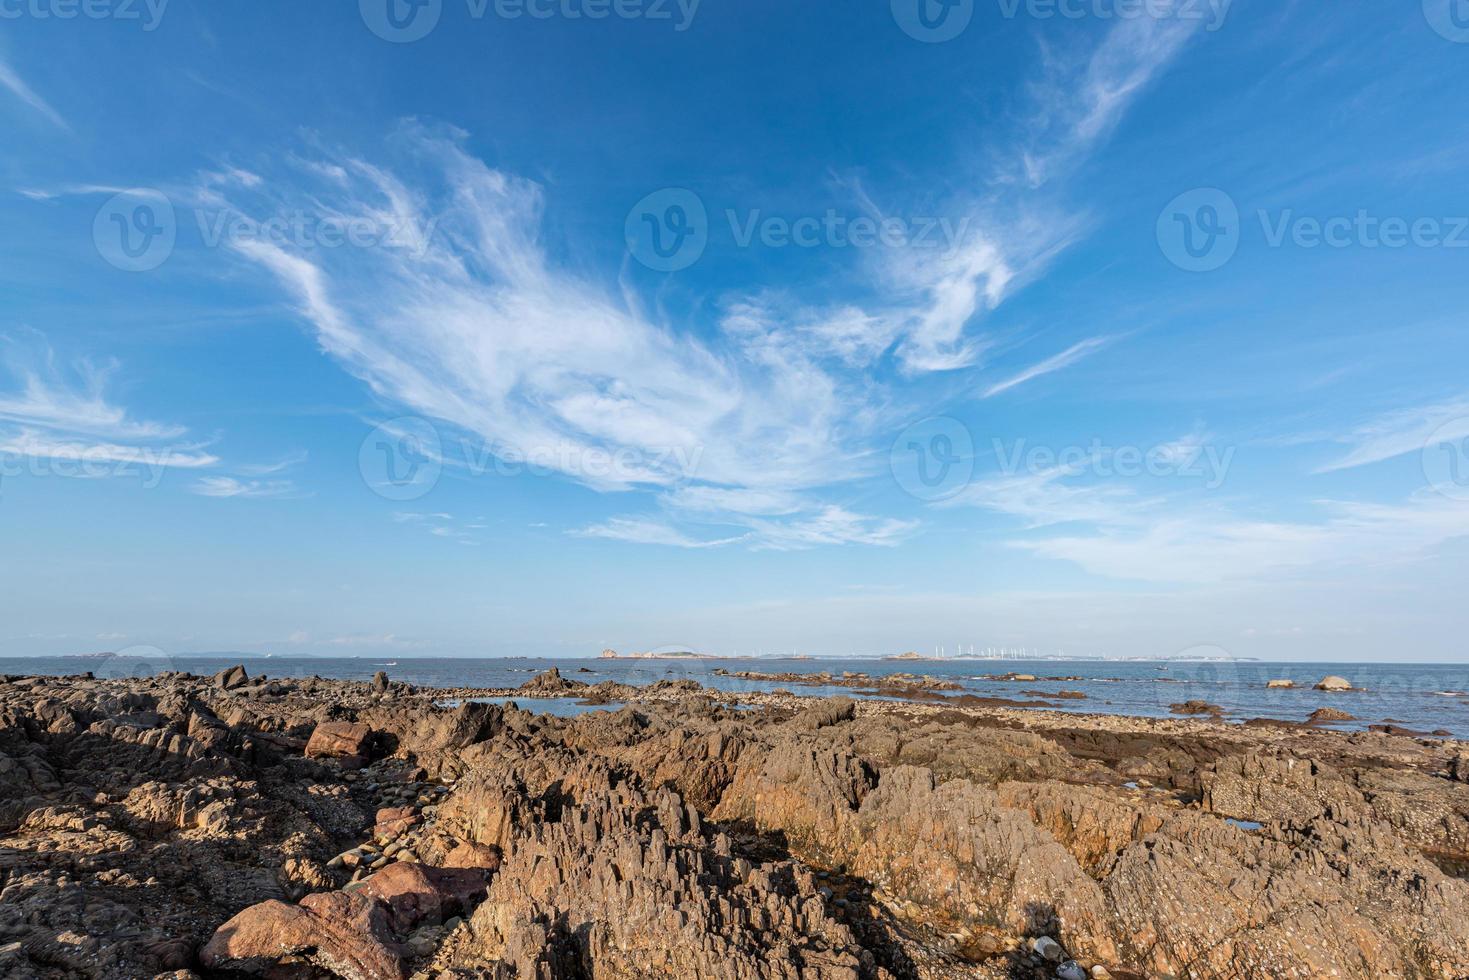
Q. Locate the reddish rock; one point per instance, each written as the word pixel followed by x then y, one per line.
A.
pixel 417 893
pixel 345 740
pixel 471 855
pixel 394 820
pixel 346 933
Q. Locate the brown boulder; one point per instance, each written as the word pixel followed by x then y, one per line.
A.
pixel 345 740
pixel 551 682
pixel 1329 714
pixel 417 894
pixel 1196 707
pixel 345 933
pixel 393 820
pixel 467 854
pixel 231 678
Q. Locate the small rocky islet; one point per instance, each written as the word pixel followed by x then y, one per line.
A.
pixel 182 826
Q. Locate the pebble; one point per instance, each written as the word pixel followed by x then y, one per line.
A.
pixel 1048 949
pixel 1100 972
pixel 1070 970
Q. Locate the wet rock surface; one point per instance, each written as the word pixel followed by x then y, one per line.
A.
pixel 304 828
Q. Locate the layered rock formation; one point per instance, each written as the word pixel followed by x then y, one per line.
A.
pixel 307 828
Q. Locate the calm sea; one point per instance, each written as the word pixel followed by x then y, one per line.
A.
pixel 1426 697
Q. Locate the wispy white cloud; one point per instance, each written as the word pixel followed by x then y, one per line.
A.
pixel 1056 362
pixel 1213 546
pixel 34 444
pixel 18 87
pixel 1050 496
pixel 750 424
pixel 287 462
pixel 226 486
pixel 1401 432
pixel 1080 97
pixel 63 414
pixel 640 530
pixel 831 525
pixel 442 525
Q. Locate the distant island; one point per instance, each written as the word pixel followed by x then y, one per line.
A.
pixel 657 655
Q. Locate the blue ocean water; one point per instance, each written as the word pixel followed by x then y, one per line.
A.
pixel 1426 697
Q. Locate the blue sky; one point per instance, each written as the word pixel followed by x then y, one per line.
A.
pixel 537 328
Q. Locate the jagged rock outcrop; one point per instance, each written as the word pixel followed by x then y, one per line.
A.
pixel 630 885
pixel 145 820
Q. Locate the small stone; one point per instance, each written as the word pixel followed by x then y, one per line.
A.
pixel 1070 970
pixel 1100 972
pixel 1049 949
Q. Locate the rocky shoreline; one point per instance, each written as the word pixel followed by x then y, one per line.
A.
pixel 233 826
